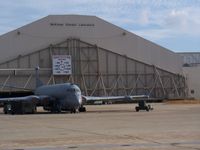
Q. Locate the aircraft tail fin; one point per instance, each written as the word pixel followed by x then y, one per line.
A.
pixel 38 81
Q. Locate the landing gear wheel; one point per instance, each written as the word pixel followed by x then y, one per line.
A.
pixel 56 108
pixel 147 109
pixel 137 108
pixel 73 110
pixel 82 109
pixel 34 110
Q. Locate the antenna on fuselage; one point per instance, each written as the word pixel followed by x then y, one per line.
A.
pixel 38 81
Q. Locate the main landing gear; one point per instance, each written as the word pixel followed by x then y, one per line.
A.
pixel 73 111
pixel 81 109
pixel 143 106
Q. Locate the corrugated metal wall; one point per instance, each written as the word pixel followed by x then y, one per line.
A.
pixel 96 70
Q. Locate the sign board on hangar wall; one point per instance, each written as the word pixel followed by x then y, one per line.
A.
pixel 61 65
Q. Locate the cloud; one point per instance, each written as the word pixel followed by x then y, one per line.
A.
pixel 177 19
pixel 185 20
pixel 168 23
pixel 144 18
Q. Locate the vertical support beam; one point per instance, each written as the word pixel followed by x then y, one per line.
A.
pixel 186 89
pixel 88 64
pixel 67 47
pixel 51 55
pixel 84 84
pixel 97 65
pixel 75 61
pixel 72 56
pixel 107 71
pixel 171 84
pixel 97 59
pixel 136 78
pixel 68 52
pixel 79 62
pixel 155 79
pixel 145 78
pixel 117 74
pixel 126 73
pixel 69 44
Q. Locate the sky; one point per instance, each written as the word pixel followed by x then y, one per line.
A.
pixel 173 24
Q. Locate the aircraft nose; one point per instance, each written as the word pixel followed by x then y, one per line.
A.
pixel 79 99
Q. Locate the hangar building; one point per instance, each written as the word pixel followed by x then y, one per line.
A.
pixel 191 69
pixel 103 59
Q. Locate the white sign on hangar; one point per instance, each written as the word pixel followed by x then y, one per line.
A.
pixel 62 65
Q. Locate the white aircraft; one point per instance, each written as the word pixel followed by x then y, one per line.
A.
pixel 55 98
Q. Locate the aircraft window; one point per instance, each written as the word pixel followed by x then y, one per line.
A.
pixel 71 90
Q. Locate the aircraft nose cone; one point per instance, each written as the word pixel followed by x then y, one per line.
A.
pixel 79 99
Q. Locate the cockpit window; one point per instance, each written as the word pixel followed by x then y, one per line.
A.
pixel 72 90
pixel 77 90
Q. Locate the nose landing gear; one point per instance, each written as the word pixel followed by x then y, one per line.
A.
pixel 82 109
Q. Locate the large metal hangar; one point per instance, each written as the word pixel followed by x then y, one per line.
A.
pixel 191 69
pixel 101 58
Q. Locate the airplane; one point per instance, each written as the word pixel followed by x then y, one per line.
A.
pixel 55 98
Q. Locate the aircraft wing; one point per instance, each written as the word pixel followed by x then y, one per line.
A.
pixel 32 98
pixel 114 98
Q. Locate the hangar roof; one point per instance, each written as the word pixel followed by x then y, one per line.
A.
pixel 57 28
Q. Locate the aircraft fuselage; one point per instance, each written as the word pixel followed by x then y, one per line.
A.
pixel 65 96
